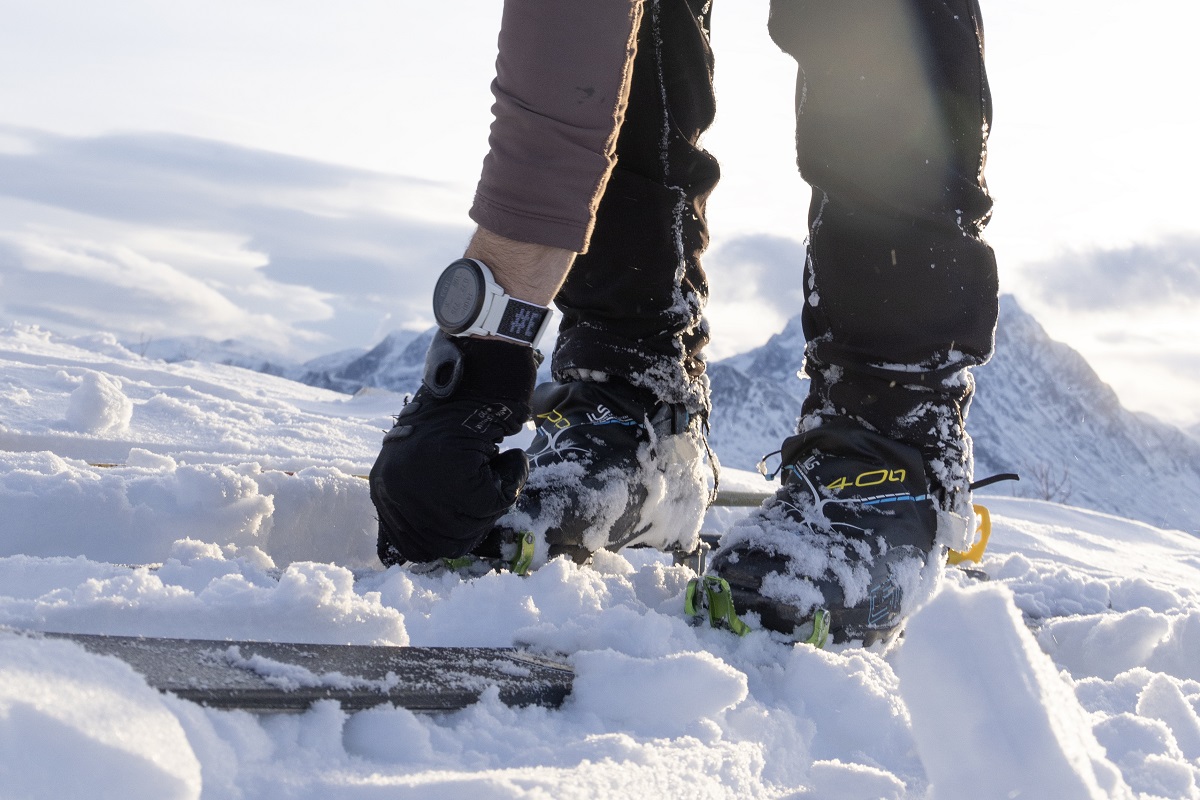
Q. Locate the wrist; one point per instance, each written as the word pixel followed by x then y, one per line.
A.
pixel 530 272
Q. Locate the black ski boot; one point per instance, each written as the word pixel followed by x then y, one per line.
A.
pixel 842 549
pixel 610 467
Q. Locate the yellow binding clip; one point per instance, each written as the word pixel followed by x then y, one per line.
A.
pixel 983 531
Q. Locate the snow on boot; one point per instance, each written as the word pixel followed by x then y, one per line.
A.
pixel 846 541
pixel 610 467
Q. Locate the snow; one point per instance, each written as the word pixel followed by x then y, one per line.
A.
pixel 985 701
pixel 231 509
pixel 74 725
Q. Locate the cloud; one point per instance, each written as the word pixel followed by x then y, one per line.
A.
pixel 761 268
pixel 78 284
pixel 1139 276
pixel 158 233
pixel 756 282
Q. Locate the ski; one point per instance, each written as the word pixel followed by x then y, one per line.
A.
pixel 288 677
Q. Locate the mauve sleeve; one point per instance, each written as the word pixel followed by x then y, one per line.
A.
pixel 562 81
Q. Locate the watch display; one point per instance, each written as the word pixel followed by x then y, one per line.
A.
pixel 459 295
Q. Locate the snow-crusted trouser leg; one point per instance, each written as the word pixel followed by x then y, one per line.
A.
pixel 892 116
pixel 632 305
pixel 581 87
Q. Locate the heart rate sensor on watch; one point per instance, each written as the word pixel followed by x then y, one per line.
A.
pixel 467 301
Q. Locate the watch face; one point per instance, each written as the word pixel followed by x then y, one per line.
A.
pixel 458 296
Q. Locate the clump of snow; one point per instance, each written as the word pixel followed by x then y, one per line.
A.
pixel 670 474
pixel 1105 645
pixel 294 676
pixel 654 697
pixel 98 405
pixel 676 476
pixel 973 677
pixel 76 725
pixel 1163 700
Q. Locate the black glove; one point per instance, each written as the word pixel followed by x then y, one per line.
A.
pixel 440 481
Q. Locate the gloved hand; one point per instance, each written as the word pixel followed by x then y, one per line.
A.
pixel 440 481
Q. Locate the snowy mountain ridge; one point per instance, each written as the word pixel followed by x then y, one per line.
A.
pixel 231 352
pixel 396 363
pixel 1042 410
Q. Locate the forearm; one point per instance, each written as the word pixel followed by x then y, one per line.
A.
pixel 562 81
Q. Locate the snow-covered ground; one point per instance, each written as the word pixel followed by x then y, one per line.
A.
pixel 1073 673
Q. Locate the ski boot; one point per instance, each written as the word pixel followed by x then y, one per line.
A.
pixel 843 549
pixel 610 467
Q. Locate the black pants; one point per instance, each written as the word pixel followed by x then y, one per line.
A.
pixel 633 303
pixel 892 110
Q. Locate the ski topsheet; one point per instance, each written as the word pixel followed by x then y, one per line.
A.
pixel 275 676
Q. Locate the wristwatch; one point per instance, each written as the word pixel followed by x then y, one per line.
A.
pixel 467 301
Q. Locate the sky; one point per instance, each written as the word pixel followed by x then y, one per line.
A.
pixel 295 174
